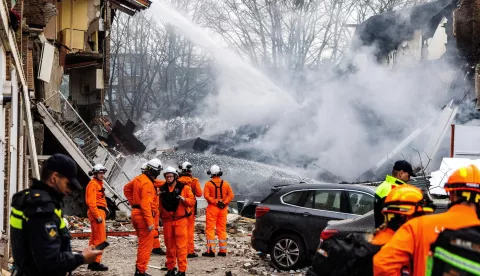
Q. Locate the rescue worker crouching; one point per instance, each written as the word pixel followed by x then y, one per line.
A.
pixel 140 192
pixel 411 243
pixel 176 202
pixel 218 194
pixel 39 237
pixel 401 173
pixel 97 212
pixel 187 178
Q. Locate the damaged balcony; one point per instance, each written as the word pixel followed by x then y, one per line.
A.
pixel 130 7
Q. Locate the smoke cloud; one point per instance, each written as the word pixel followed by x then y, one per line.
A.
pixel 345 122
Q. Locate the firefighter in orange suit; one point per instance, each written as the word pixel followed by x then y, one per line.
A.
pixel 218 194
pixel 128 188
pixel 97 212
pixel 411 242
pixel 401 204
pixel 156 204
pixel 187 178
pixel 143 213
pixel 176 203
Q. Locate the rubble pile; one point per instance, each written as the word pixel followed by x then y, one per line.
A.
pixel 82 225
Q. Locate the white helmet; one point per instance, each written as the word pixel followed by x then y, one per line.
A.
pixel 98 168
pixel 154 164
pixel 186 166
pixel 215 171
pixel 142 168
pixel 170 169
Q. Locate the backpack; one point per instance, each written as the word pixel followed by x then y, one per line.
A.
pixel 455 252
pixel 347 256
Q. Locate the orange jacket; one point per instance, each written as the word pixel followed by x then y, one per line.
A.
pixel 183 208
pixel 142 196
pixel 193 183
pixel 95 196
pixel 382 236
pixel 224 194
pixel 411 243
pixel 128 190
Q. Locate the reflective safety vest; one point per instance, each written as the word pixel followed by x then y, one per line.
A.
pixel 37 227
pixel 455 252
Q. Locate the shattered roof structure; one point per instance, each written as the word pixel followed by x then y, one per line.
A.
pixel 388 30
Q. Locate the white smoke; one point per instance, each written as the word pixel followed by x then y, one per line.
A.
pixel 346 122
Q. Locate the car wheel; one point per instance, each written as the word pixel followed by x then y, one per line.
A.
pixel 287 251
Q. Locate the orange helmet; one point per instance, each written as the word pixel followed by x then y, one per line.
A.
pixel 406 200
pixel 464 179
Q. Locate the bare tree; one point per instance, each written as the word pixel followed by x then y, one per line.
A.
pixel 156 73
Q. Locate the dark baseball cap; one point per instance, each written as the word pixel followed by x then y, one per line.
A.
pixel 403 165
pixel 65 166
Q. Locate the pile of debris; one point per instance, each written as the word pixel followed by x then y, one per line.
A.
pixel 81 228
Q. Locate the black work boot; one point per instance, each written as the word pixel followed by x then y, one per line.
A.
pixel 222 254
pixel 97 267
pixel 165 268
pixel 138 273
pixel 208 254
pixel 192 255
pixel 180 274
pixel 170 272
pixel 158 251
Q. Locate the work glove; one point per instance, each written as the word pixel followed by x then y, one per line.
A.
pixel 221 205
pixel 99 220
pixel 150 228
pixel 181 198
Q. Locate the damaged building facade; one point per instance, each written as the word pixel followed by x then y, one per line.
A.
pixel 442 31
pixel 54 66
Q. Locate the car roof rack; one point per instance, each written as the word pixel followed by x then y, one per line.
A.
pixel 277 188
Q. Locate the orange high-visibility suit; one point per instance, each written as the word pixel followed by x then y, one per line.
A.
pixel 411 242
pixel 197 192
pixel 143 193
pixel 128 190
pixel 174 214
pixel 214 191
pixel 156 207
pixel 97 207
pixel 383 236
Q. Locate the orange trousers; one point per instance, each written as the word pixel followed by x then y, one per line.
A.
pixel 156 238
pixel 216 218
pixel 175 239
pixel 145 240
pixel 191 234
pixel 99 231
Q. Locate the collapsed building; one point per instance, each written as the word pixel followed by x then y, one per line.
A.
pixel 54 69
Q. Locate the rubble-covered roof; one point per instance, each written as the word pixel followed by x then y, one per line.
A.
pixel 389 29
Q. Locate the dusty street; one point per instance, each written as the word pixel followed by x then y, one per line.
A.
pixel 242 259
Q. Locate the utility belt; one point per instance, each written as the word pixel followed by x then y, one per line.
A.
pixel 137 206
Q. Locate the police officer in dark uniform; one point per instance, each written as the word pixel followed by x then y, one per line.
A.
pixel 39 237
